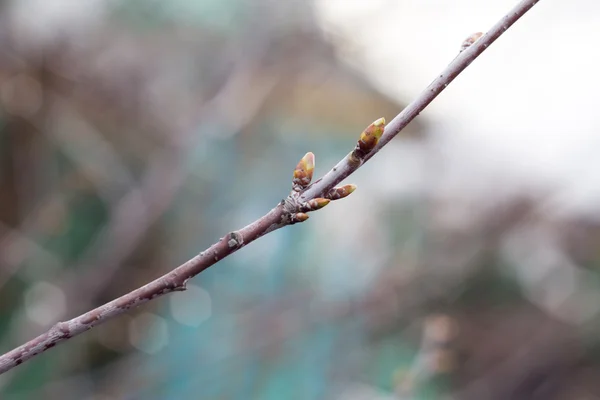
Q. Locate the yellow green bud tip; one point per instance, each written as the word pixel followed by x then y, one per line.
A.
pixel 341 192
pixel 309 160
pixel 320 203
pixel 379 122
pixel 378 126
pixel 314 204
pixel 371 135
pixel 305 167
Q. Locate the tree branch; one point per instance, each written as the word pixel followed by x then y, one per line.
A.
pixel 305 197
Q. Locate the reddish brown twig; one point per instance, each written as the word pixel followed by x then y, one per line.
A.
pixel 303 198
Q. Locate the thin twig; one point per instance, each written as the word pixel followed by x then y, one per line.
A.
pixel 344 168
pixel 303 198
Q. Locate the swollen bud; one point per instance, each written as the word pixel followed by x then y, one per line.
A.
pixel 303 172
pixel 370 136
pixel 340 192
pixel 470 40
pixel 299 217
pixel 314 204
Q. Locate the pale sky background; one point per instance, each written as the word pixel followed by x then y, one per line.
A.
pixel 525 111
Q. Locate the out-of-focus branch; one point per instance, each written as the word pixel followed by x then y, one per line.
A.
pixel 303 198
pixel 15 246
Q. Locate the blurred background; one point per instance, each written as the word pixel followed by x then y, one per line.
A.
pixel 133 134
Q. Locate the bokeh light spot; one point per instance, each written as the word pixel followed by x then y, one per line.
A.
pixel 45 303
pixel 192 307
pixel 148 333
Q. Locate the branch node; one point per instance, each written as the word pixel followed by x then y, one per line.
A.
pixel 470 40
pixel 62 329
pixel 355 157
pixel 181 288
pixel 290 204
pixel 236 240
